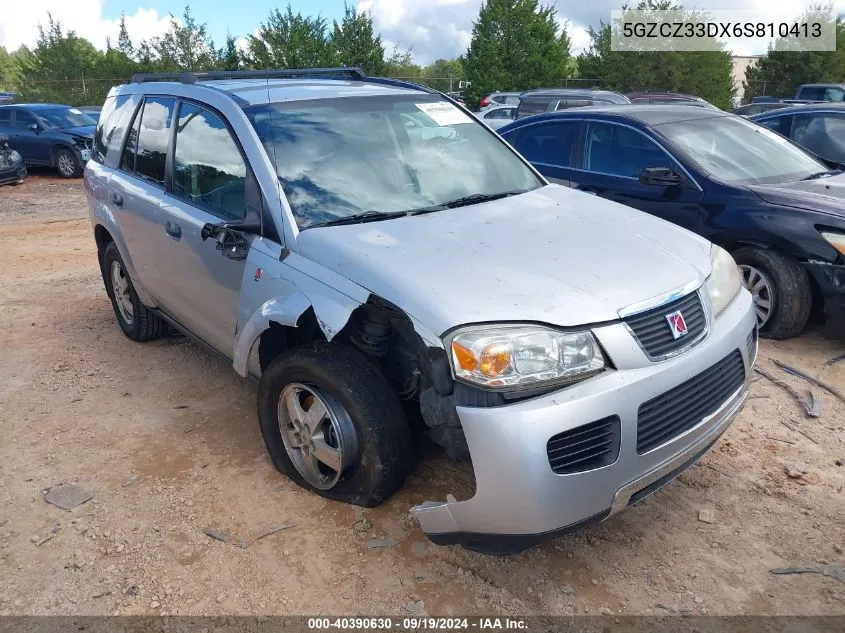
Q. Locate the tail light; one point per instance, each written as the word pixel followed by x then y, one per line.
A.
pixel 485 102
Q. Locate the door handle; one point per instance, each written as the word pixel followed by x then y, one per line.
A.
pixel 173 229
pixel 117 199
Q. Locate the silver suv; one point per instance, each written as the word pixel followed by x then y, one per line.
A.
pixel 374 281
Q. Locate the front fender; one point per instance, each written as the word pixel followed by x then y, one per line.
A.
pixel 283 299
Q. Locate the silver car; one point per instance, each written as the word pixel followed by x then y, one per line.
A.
pixel 497 117
pixel 577 353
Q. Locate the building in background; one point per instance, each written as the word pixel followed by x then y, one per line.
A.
pixel 740 65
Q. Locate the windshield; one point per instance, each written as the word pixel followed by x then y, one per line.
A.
pixel 65 117
pixel 735 150
pixel 341 157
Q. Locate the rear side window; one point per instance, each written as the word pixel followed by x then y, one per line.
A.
pixel 108 132
pixel 529 107
pixel 153 137
pixel 812 93
pixel 208 169
pixel 573 103
pixel 547 143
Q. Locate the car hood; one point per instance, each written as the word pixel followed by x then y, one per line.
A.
pixel 553 255
pixel 825 194
pixel 82 130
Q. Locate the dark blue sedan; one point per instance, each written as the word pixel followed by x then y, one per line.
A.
pixel 49 134
pixel 776 208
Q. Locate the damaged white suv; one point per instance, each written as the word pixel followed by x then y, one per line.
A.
pixel 580 354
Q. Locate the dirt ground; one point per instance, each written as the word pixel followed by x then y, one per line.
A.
pixel 165 437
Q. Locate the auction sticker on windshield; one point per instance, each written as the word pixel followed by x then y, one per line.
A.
pixel 443 113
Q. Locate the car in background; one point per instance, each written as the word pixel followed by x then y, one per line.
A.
pixel 499 98
pixel 539 101
pixel 91 110
pixel 497 116
pixel 818 128
pixel 457 96
pixel 668 98
pixel 7 97
pixel 821 92
pixel 49 134
pixel 12 168
pixel 777 209
pixel 758 108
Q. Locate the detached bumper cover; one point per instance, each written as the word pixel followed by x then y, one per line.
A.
pixel 831 280
pixel 12 174
pixel 520 501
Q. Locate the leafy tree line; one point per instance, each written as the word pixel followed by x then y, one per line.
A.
pixel 515 45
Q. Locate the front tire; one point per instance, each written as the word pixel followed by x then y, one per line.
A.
pixel 333 425
pixel 67 165
pixel 781 291
pixel 136 320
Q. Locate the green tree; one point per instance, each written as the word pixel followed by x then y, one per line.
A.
pixel 707 74
pixel 354 42
pixel 443 74
pixel 9 70
pixel 289 40
pixel 62 67
pixel 781 71
pixel 184 46
pixel 400 64
pixel 229 57
pixel 124 43
pixel 516 44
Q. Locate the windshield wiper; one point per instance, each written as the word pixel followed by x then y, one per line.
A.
pixel 357 218
pixel 822 174
pixel 475 198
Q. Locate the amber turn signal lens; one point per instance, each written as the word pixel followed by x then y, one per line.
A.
pixel 466 359
pixel 495 359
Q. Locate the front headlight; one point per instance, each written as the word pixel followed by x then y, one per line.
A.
pixel 15 157
pixel 724 281
pixel 836 240
pixel 517 356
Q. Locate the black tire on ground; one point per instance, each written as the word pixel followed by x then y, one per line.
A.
pixel 64 159
pixel 792 297
pixel 383 437
pixel 145 324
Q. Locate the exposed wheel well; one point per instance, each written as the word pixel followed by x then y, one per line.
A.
pixel 102 238
pixel 278 338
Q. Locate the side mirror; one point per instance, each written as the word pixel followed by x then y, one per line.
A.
pixel 661 177
pixel 34 127
pixel 230 237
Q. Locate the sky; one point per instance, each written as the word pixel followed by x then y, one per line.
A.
pixel 430 28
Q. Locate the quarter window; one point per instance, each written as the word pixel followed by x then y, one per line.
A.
pixel 153 137
pixel 548 143
pixel 127 161
pixel 209 170
pixel 620 151
pixel 109 132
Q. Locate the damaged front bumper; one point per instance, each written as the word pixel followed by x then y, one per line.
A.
pixel 830 280
pixel 520 501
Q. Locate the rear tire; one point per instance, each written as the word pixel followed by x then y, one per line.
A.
pixel 357 414
pixel 67 164
pixel 136 320
pixel 784 282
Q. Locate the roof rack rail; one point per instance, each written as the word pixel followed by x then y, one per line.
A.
pixel 286 73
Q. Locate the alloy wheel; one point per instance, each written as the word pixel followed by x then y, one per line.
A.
pixel 66 164
pixel 122 296
pixel 318 434
pixel 762 291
